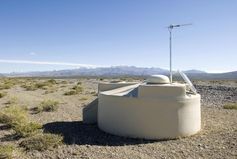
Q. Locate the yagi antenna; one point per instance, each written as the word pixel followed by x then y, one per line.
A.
pixel 170 28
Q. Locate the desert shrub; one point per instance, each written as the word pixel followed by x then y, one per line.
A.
pixel 16 117
pixel 2 94
pixel 78 88
pixel 12 100
pixel 39 85
pixel 84 98
pixel 47 106
pixel 230 106
pixel 7 83
pixel 26 129
pixel 41 142
pixel 64 82
pixel 29 86
pixel 52 81
pixel 6 151
pixel 5 86
pixel 13 115
pixel 94 93
pixel 79 83
pixel 71 92
pixel 49 91
pixel 75 89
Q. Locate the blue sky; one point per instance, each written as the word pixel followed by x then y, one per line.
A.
pixel 60 34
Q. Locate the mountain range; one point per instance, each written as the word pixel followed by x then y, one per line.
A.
pixel 122 71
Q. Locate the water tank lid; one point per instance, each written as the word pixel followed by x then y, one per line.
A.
pixel 158 79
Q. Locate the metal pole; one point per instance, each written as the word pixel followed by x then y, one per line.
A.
pixel 170 30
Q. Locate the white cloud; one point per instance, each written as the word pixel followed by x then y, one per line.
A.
pixel 47 63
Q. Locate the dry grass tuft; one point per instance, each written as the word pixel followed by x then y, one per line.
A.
pixel 6 151
pixel 16 117
pixel 230 106
pixel 75 90
pixel 71 92
pixel 47 106
pixel 31 86
pixel 27 129
pixel 13 100
pixel 7 83
pixel 42 142
pixel 2 94
pixel 13 115
pixel 84 98
pixel 5 86
pixel 78 88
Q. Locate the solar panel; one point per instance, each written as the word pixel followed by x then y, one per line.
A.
pixel 186 79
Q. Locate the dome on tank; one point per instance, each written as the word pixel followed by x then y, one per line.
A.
pixel 158 79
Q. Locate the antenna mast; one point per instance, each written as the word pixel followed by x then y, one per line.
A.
pixel 170 28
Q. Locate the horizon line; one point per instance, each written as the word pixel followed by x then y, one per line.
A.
pixel 79 65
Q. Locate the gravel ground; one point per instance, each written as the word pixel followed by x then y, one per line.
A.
pixel 217 139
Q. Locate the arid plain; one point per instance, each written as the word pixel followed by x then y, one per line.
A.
pixel 50 123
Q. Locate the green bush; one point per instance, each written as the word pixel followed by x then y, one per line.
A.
pixel 230 106
pixel 42 142
pixel 6 151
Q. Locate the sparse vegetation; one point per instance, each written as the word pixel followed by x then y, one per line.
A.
pixel 26 129
pixel 78 88
pixel 64 82
pixel 31 86
pixel 230 106
pixel 52 81
pixel 13 115
pixel 75 89
pixel 6 151
pixel 8 83
pixel 16 117
pixel 47 106
pixel 83 98
pixel 94 93
pixel 71 92
pixel 13 100
pixel 5 86
pixel 3 94
pixel 42 142
pixel 22 128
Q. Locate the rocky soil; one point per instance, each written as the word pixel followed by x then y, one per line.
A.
pixel 217 139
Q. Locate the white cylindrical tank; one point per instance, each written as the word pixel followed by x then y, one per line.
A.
pixel 157 111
